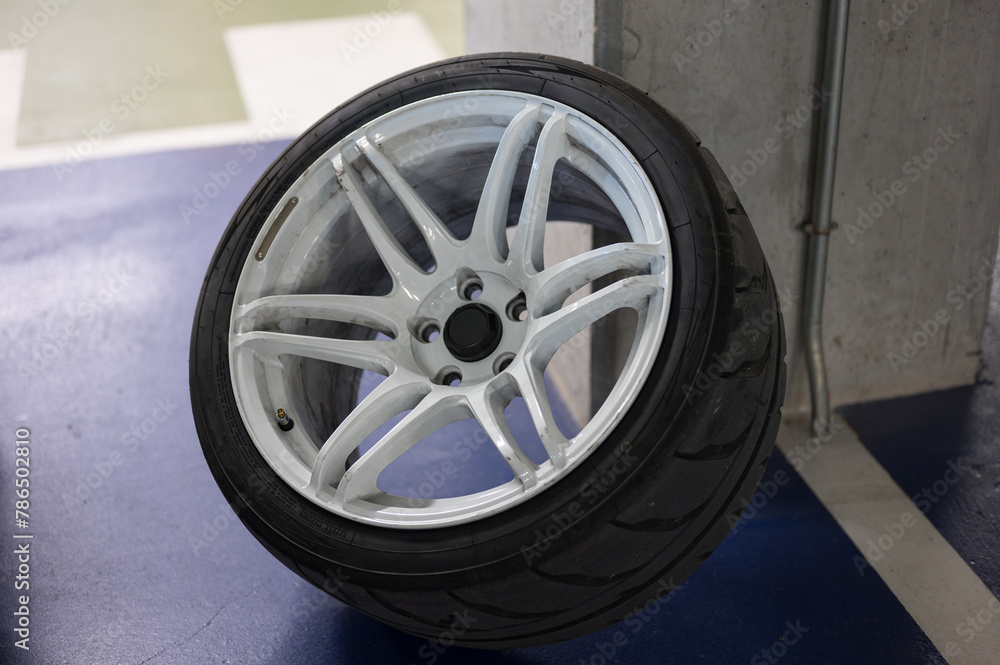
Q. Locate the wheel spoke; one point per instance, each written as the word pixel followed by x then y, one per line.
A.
pixel 554 330
pixel 400 392
pixel 487 407
pixel 550 288
pixel 379 313
pixel 529 237
pixel 375 355
pixel 431 414
pixel 490 226
pixel 404 270
pixel 531 385
pixel 439 239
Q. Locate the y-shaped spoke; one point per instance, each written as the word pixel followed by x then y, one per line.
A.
pixel 487 407
pixel 404 270
pixel 374 355
pixel 437 409
pixel 381 313
pixel 531 385
pixel 549 289
pixel 490 226
pixel 553 330
pixel 529 237
pixel 439 239
pixel 400 392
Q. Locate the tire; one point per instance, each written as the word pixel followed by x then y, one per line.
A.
pixel 630 514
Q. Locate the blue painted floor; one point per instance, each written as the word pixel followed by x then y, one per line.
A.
pixel 137 558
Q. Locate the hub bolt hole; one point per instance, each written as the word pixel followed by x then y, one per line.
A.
pixel 452 378
pixel 517 309
pixel 429 332
pixel 470 286
pixel 473 291
pixel 502 362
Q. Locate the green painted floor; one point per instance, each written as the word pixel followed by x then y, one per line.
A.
pixel 84 55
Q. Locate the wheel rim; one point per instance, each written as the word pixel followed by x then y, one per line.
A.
pixel 458 336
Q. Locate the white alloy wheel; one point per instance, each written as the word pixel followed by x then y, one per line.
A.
pixel 458 336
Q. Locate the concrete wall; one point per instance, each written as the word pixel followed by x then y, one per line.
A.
pixel 741 74
pixel 558 27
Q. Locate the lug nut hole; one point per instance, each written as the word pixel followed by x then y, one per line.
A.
pixel 470 286
pixel 452 378
pixel 517 309
pixel 473 290
pixel 502 362
pixel 429 332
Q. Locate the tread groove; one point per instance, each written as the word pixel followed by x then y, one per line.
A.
pixel 662 524
pixel 501 612
pixel 574 579
pixel 752 368
pixel 719 451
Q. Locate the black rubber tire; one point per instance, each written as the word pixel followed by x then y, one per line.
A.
pixel 637 516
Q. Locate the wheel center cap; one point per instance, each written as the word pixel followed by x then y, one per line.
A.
pixel 472 332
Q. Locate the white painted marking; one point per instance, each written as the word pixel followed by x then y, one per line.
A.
pixel 290 75
pixel 311 67
pixel 927 575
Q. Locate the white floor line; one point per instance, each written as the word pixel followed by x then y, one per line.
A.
pixel 311 67
pixel 940 591
pixel 289 74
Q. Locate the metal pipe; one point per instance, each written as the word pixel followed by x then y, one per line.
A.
pixel 819 224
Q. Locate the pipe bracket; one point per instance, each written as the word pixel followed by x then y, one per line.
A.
pixel 813 231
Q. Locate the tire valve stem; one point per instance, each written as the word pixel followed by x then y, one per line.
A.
pixel 284 422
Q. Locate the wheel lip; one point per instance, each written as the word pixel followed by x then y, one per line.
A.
pixel 497 499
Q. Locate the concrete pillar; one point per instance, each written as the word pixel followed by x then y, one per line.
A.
pixel 916 198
